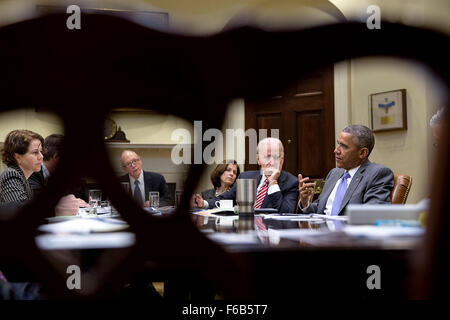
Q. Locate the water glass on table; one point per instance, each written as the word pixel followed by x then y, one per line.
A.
pixel 106 207
pixel 95 198
pixel 153 197
pixel 126 186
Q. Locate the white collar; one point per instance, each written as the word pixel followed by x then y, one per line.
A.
pixel 352 172
pixel 140 178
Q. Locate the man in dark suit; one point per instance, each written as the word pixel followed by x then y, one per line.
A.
pixel 52 150
pixel 276 189
pixel 355 180
pixel 142 182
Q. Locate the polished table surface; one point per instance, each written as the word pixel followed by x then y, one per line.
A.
pixel 298 231
pixel 269 244
pixel 235 232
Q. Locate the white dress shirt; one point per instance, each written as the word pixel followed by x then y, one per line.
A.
pixel 330 199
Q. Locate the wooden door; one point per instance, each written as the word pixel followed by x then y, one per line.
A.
pixel 304 115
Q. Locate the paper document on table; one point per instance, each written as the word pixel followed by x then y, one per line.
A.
pixel 212 212
pixel 85 241
pixel 84 215
pixel 291 217
pixel 295 234
pixel 303 217
pixel 234 238
pixel 328 217
pixel 83 225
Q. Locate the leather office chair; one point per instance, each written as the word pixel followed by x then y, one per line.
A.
pixel 400 191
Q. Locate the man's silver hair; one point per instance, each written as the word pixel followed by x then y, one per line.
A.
pixel 436 118
pixel 123 152
pixel 270 140
pixel 362 136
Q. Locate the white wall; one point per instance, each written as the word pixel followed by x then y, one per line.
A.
pixel 408 152
pixel 43 123
pixel 140 128
pixel 405 151
pixel 156 160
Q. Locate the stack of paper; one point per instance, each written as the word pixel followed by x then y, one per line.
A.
pixel 303 217
pixel 85 241
pixel 234 238
pixel 83 225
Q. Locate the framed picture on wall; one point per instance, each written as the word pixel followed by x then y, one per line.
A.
pixel 388 110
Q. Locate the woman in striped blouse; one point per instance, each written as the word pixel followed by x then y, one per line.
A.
pixel 22 153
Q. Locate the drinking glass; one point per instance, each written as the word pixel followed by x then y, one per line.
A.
pixel 126 187
pixel 153 197
pixel 106 206
pixel 95 198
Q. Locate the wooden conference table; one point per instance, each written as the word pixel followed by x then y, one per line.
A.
pixel 290 257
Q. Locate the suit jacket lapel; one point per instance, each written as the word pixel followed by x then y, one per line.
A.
pixel 146 186
pixel 42 178
pixel 131 187
pixel 353 185
pixel 281 179
pixel 258 177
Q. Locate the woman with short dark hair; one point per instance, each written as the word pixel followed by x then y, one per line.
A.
pixel 222 178
pixel 22 153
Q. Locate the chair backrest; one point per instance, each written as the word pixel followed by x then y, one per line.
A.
pixel 171 193
pixel 400 191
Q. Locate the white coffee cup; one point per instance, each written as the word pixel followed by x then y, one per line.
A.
pixel 224 204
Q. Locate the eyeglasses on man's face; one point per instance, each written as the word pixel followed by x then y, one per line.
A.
pixel 267 158
pixel 130 163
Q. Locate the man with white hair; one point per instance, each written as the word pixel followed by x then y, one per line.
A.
pixel 142 182
pixel 277 189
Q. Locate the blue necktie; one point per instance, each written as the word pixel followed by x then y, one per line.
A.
pixel 340 193
pixel 137 193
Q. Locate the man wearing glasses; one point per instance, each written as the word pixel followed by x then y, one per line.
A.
pixel 142 182
pixel 276 189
